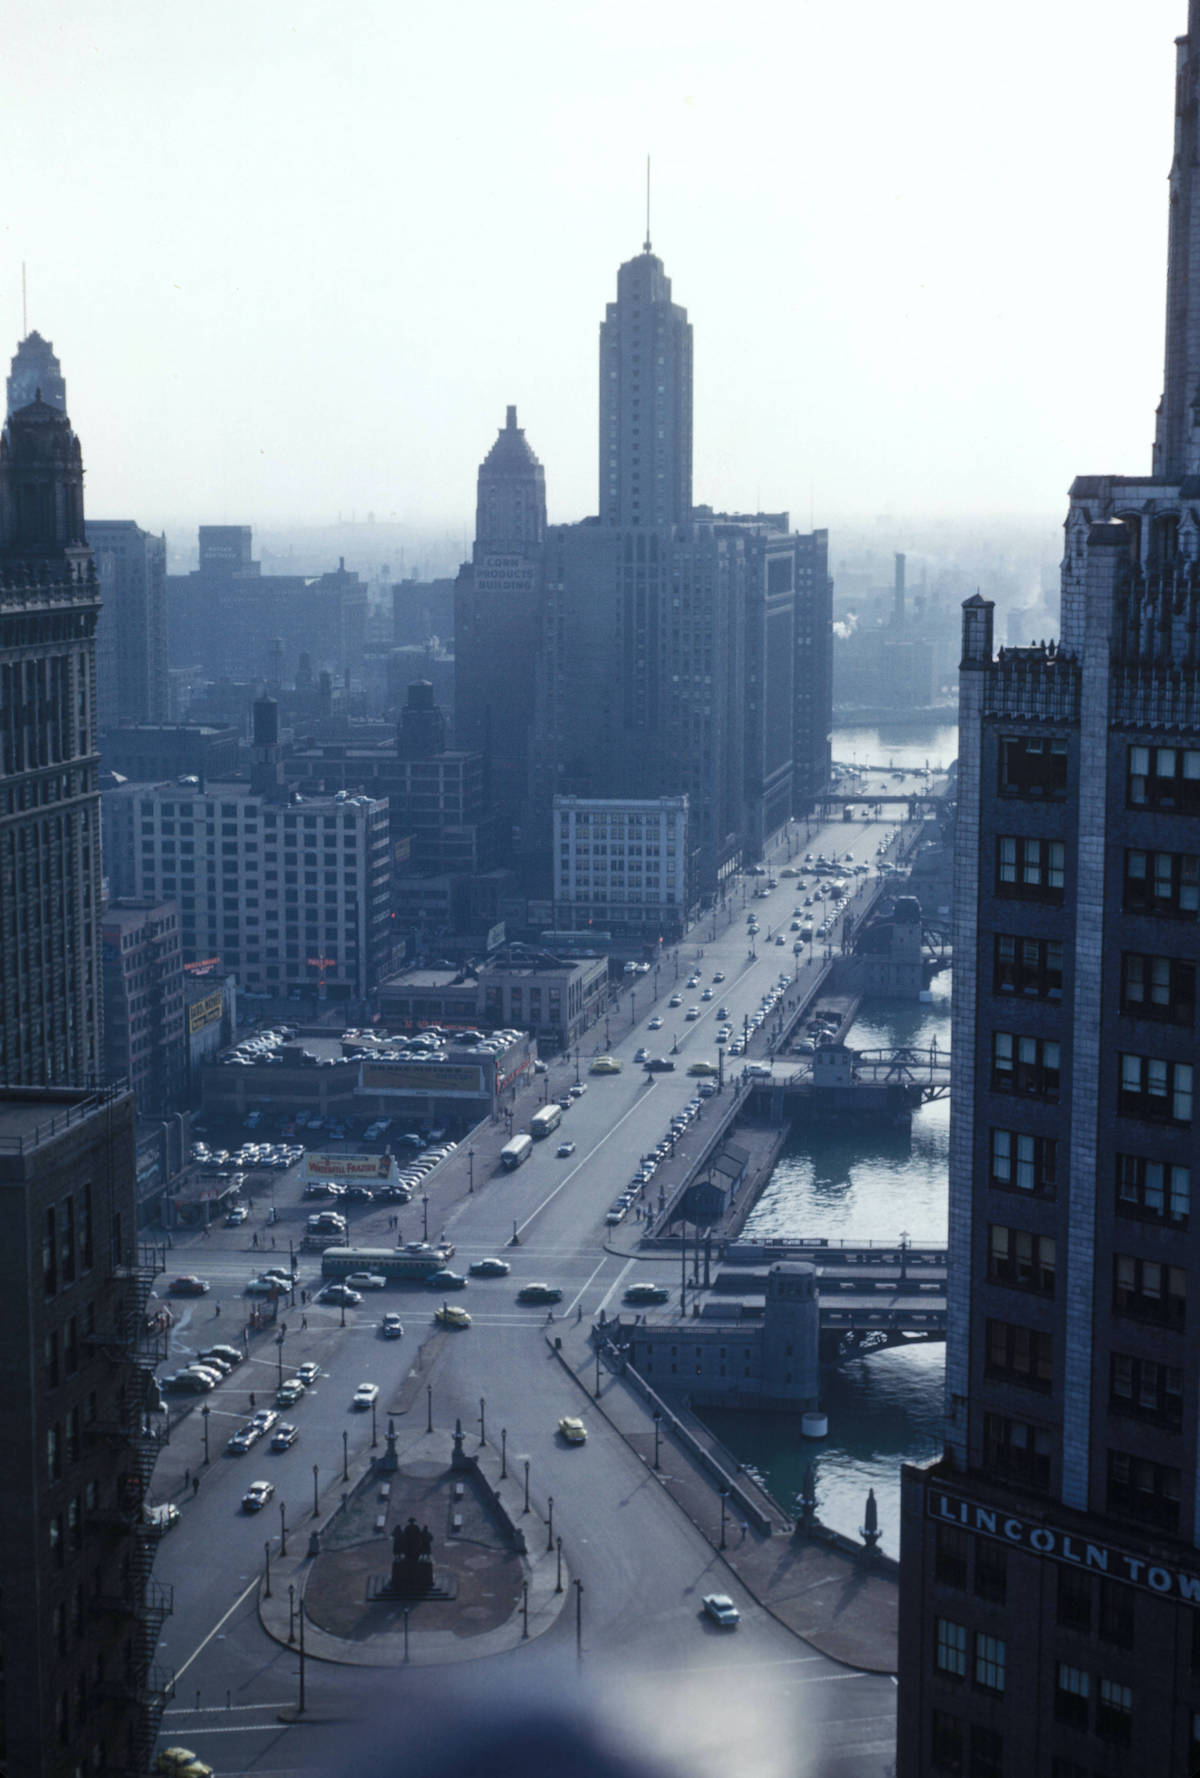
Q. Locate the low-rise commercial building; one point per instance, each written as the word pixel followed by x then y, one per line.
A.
pixel 555 999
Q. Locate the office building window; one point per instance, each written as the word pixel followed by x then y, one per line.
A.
pixel 1116 1613
pixel 1022 1355
pixel 1158 988
pixel 1114 1713
pixel 1021 1258
pixel 950 1557
pixel 947 1743
pixel 1033 765
pixel 1028 869
pixel 1029 967
pixel 991 1655
pixel 1074 1606
pixel 1155 1089
pixel 1153 1191
pixel 1166 884
pixel 1026 1065
pixel 1146 1389
pixel 1072 1690
pixel 1024 1163
pixel 1139 1489
pixel 987 1752
pixel 1146 1290
pixel 951 1648
pixel 1164 778
pixel 991 1570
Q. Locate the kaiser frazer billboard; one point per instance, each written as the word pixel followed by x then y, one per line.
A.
pixel 350 1169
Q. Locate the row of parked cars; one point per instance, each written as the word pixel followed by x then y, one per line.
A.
pixel 208 1369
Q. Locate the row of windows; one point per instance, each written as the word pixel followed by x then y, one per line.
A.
pixel 1145 1190
pixel 988 1660
pixel 1149 1087
pixel 1151 987
pixel 1161 883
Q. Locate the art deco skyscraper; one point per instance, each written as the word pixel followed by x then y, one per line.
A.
pixel 1050 1595
pixel 50 1001
pixel 36 374
pixel 497 610
pixel 645 401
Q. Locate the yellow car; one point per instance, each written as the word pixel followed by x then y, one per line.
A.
pixel 605 1065
pixel 181 1762
pixel 450 1315
pixel 702 1068
pixel 573 1430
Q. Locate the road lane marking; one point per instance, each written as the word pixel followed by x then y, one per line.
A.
pixel 567 1178
pixel 217 1627
pixel 578 1295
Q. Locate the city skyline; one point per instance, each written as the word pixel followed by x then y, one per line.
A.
pixel 908 323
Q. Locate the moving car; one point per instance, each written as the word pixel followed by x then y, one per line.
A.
pixel 308 1372
pixel 675 1000
pixel 660 1065
pixel 447 1280
pixel 391 1327
pixel 365 1281
pixel 693 1012
pixel 257 1496
pixel 340 1293
pixel 264 1419
pixel 605 1065
pixel 181 1762
pixel 365 1394
pixel 238 1214
pixel 640 1055
pixel 539 1293
pixel 655 1024
pixel 189 1285
pixel 573 1430
pixel 290 1391
pixel 647 1293
pixel 285 1436
pixel 489 1268
pixel 450 1315
pixel 722 1610
pixel 702 1068
pixel 564 1149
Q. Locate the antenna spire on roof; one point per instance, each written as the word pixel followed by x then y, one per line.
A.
pixel 646 247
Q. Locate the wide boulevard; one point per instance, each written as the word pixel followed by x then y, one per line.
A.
pixel 759 1701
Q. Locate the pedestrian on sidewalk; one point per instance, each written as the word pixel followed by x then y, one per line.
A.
pixel 252 1398
pixel 217 1311
pixel 304 1321
pixel 187 1478
pixel 254 1239
pixel 195 1486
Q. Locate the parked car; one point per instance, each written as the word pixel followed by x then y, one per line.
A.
pixel 160 1519
pixel 237 1215
pixel 189 1285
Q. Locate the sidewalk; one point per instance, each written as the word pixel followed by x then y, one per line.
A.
pixel 833 1597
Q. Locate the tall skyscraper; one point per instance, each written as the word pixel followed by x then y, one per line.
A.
pixel 1050 1600
pixel 36 372
pixel 645 401
pixel 131 636
pixel 497 620
pixel 50 1001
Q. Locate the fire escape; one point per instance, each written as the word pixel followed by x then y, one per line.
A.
pixel 138 1606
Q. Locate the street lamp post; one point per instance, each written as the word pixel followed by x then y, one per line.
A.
pixel 205 1411
pixel 550 1524
pixel 724 1507
pixel 316 1496
pixel 374 1438
pixel 283 1527
pixel 482 1421
pixel 558 1586
pixel 425 1214
pixel 279 1339
pixel 504 1453
pixel 526 1506
pixel 291 1612
pixel 579 1619
pixel 470 1169
pixel 429 1407
pixel 524 1610
pixel 267 1555
pixel 345 1456
pixel 597 1373
pixel 657 1436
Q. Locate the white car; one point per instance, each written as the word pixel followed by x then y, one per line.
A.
pixel 722 1610
pixel 366 1280
pixel 365 1395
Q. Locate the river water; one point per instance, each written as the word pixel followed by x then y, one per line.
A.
pixel 862 1183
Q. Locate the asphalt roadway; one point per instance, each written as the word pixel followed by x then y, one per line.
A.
pixel 640 1654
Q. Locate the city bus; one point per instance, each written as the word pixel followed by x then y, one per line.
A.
pixel 544 1120
pixel 516 1151
pixel 393 1263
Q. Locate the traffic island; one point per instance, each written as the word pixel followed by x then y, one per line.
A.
pixel 423 1563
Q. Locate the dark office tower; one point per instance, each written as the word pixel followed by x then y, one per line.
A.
pixel 80 1614
pixel 645 401
pixel 131 636
pixel 1050 1599
pixel 50 1003
pixel 36 372
pixel 497 620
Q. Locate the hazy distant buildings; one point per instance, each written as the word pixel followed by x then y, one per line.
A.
pixel 131 636
pixel 240 624
pixel 50 1003
pixel 499 614
pixel 36 372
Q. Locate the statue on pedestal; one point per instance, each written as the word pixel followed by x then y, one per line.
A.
pixel 412 1559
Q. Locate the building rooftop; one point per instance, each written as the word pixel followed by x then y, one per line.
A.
pixel 33 1116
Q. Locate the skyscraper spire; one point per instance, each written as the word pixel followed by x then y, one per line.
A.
pixel 1177 443
pixel 645 400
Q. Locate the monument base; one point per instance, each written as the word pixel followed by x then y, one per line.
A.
pixel 382 1591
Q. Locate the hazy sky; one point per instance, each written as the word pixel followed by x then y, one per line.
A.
pixel 297 257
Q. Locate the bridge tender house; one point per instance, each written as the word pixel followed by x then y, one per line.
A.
pixel 1061 1546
